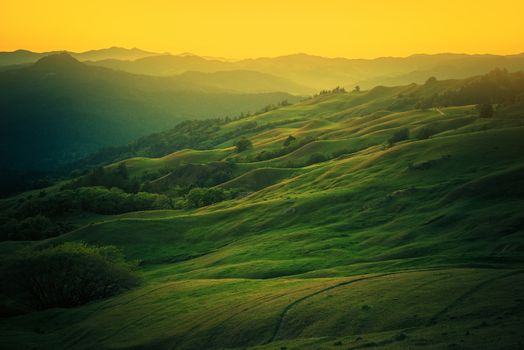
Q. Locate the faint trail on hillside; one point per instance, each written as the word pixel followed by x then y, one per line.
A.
pixel 439 111
pixel 433 320
pixel 293 304
pixel 72 343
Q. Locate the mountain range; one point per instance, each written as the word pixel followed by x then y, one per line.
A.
pixel 26 56
pixel 310 73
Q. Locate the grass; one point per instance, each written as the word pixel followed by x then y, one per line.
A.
pixel 434 308
pixel 417 245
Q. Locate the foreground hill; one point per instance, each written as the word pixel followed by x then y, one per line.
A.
pixel 360 221
pixel 59 109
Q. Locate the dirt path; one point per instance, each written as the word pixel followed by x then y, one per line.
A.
pixel 439 111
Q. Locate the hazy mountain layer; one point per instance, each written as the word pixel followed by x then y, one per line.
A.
pixel 302 73
pixel 325 73
pixel 26 57
pixel 59 109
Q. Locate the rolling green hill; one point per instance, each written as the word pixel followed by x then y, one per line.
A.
pixel 392 219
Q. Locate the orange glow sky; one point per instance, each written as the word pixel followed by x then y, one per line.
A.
pixel 253 28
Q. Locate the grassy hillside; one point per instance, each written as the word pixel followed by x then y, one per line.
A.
pixel 379 224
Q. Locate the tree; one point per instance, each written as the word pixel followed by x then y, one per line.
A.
pixel 431 80
pixel 200 197
pixel 290 139
pixel 122 170
pixel 485 110
pixel 399 135
pixel 426 132
pixel 357 88
pixel 243 145
pixel 316 158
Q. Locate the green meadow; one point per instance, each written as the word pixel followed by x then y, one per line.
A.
pixel 382 224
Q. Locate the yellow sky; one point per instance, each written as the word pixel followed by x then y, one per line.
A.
pixel 253 28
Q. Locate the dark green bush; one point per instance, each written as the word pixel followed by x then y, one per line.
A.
pixel 316 158
pixel 485 110
pixel 399 135
pixel 31 228
pixel 66 275
pixel 243 145
pixel 201 197
pixel 426 132
pixel 289 140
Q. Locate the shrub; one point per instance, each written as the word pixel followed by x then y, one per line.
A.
pixel 66 275
pixel 32 228
pixel 485 110
pixel 399 135
pixel 243 145
pixel 426 132
pixel 201 197
pixel 431 80
pixel 289 140
pixel 316 158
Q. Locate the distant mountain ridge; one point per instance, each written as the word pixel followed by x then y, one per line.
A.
pixel 311 73
pixel 316 73
pixel 27 57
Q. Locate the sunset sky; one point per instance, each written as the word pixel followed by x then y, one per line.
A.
pixel 253 28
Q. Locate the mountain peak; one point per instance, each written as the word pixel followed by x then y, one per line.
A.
pixel 57 61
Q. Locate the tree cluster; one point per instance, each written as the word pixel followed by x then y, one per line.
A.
pixel 66 275
pixel 337 90
pixel 31 228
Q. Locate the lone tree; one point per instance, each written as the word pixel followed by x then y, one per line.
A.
pixel 243 145
pixel 431 80
pixel 357 88
pixel 485 110
pixel 122 170
pixel 399 135
pixel 290 139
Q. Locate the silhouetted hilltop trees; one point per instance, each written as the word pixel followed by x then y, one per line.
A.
pixel 337 90
pixel 497 87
